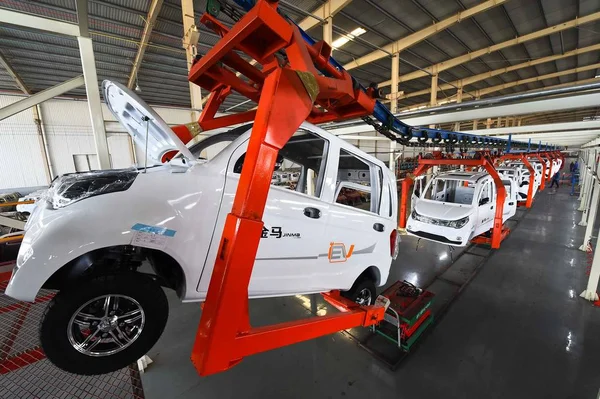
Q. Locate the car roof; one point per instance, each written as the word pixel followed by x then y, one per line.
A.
pixel 467 176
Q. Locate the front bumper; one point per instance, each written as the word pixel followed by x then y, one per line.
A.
pixel 441 234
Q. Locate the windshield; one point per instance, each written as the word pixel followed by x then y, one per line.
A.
pixel 453 191
pixel 213 145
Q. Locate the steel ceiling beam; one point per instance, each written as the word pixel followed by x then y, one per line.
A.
pixel 422 34
pixel 328 9
pixel 496 88
pixel 153 12
pixel 42 96
pixel 444 65
pixel 452 99
pixel 28 20
pixel 486 75
pixel 15 76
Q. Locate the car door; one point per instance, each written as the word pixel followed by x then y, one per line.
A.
pixel 486 207
pixel 292 236
pixel 510 202
pixel 418 186
pixel 358 231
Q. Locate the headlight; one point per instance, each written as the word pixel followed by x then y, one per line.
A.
pixel 459 224
pixel 74 187
pixel 456 224
pixel 415 215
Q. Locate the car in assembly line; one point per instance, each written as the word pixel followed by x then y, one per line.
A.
pixel 523 185
pixel 521 176
pixel 453 207
pixel 109 240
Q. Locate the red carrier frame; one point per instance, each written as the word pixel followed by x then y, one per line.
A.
pixel 523 157
pixel 499 232
pixel 305 87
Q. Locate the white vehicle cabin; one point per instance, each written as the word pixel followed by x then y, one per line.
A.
pixel 324 233
pixel 456 206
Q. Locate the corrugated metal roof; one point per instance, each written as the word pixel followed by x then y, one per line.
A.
pixel 116 27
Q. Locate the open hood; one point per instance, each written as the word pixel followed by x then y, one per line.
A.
pixel 137 116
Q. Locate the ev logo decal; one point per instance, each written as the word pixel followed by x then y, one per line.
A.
pixel 337 252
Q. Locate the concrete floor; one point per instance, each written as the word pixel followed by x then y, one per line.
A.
pixel 519 330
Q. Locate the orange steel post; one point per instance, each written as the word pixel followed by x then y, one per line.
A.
pixel 406 185
pixel 498 233
pixel 286 92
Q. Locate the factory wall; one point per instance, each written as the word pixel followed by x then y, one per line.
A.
pixel 70 142
pixel 69 138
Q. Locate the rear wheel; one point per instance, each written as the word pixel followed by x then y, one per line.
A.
pixel 103 324
pixel 362 292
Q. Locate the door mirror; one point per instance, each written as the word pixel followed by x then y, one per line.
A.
pixel 484 201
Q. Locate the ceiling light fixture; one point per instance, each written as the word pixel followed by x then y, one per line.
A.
pixel 340 41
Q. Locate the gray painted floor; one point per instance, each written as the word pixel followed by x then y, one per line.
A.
pixel 519 330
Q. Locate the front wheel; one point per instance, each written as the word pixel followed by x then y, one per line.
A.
pixel 362 292
pixel 103 324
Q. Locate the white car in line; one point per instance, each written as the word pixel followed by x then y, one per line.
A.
pixel 93 231
pixel 456 206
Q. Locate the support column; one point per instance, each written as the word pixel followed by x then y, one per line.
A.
pixel 327 23
pixel 592 211
pixel 582 174
pixel 92 90
pixel 39 123
pixel 88 64
pixel 475 124
pixel 586 188
pixel 459 96
pixel 434 89
pixel 394 105
pixel 187 10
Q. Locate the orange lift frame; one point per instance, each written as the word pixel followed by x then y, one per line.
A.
pixel 499 232
pixel 523 158
pixel 288 92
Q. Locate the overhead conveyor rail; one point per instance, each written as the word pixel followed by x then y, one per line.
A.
pixel 294 79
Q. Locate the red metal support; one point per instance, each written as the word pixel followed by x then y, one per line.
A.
pixel 305 87
pixel 523 158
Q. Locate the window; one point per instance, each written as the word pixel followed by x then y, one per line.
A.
pixel 300 165
pixel 354 195
pixel 209 147
pixel 453 191
pixel 85 162
pixel 435 190
pixel 358 183
pixel 486 196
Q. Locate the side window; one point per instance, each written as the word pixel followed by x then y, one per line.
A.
pixel 358 183
pixel 435 190
pixel 485 196
pixel 300 165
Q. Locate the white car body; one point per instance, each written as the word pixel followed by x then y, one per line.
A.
pixel 454 207
pixel 179 209
pixel 524 184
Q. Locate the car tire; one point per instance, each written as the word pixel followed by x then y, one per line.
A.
pixel 70 319
pixel 363 287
